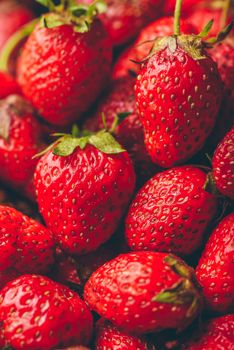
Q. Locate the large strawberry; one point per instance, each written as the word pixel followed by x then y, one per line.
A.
pixel 215 270
pixel 109 336
pixel 83 187
pixel 223 165
pixel 25 245
pixel 65 63
pixel 120 103
pixel 124 19
pixel 217 333
pixel 171 212
pixel 129 61
pixel 37 313
pixel 8 85
pixel 20 139
pixel 144 292
pixel 174 91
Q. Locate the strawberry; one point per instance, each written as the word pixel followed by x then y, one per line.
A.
pixel 65 63
pixel 83 187
pixel 171 212
pixel 223 165
pixel 120 101
pixel 20 139
pixel 217 333
pixel 8 85
pixel 124 19
pixel 144 292
pixel 110 337
pixel 37 313
pixel 174 91
pixel 216 266
pixel 129 61
pixel 26 246
pixel 75 348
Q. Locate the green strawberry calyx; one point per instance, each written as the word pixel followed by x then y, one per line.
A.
pixel 185 292
pixel 67 143
pixel 80 16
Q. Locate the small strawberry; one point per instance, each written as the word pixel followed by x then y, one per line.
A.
pixel 145 292
pixel 119 104
pixel 65 62
pixel 25 245
pixel 174 91
pixel 110 337
pixel 37 313
pixel 171 212
pixel 20 139
pixel 83 186
pixel 223 165
pixel 8 86
pixel 124 19
pixel 217 333
pixel 216 267
pixel 129 61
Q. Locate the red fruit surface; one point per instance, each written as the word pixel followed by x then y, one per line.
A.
pixel 178 98
pixel 12 16
pixel 188 7
pixel 62 71
pixel 20 139
pixel 37 313
pixel 143 44
pixel 83 196
pixel 123 289
pixel 110 337
pixel 8 85
pixel 217 333
pixel 124 19
pixel 171 212
pixel 223 165
pixel 25 245
pixel 215 270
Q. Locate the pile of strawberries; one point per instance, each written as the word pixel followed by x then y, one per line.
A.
pixel 117 175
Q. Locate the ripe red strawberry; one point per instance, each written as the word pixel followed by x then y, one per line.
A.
pixel 119 101
pixel 174 91
pixel 12 16
pixel 217 333
pixel 25 245
pixel 65 63
pixel 140 49
pixel 223 165
pixel 8 85
pixel 144 292
pixel 124 19
pixel 216 266
pixel 83 187
pixel 20 139
pixel 171 212
pixel 75 348
pixel 37 313
pixel 110 337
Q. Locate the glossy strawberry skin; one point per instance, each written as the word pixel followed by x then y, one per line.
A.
pixel 173 95
pixel 223 165
pixel 82 197
pixel 124 19
pixel 26 245
pixel 217 333
pixel 216 266
pixel 24 140
pixel 171 212
pixel 37 313
pixel 143 44
pixel 122 291
pixel 62 72
pixel 8 85
pixel 110 337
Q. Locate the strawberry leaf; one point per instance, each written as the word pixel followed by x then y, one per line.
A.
pixel 47 3
pixel 67 145
pixel 206 29
pixel 106 143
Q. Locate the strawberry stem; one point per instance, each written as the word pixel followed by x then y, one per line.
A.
pixel 177 15
pixel 13 41
pixel 227 4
